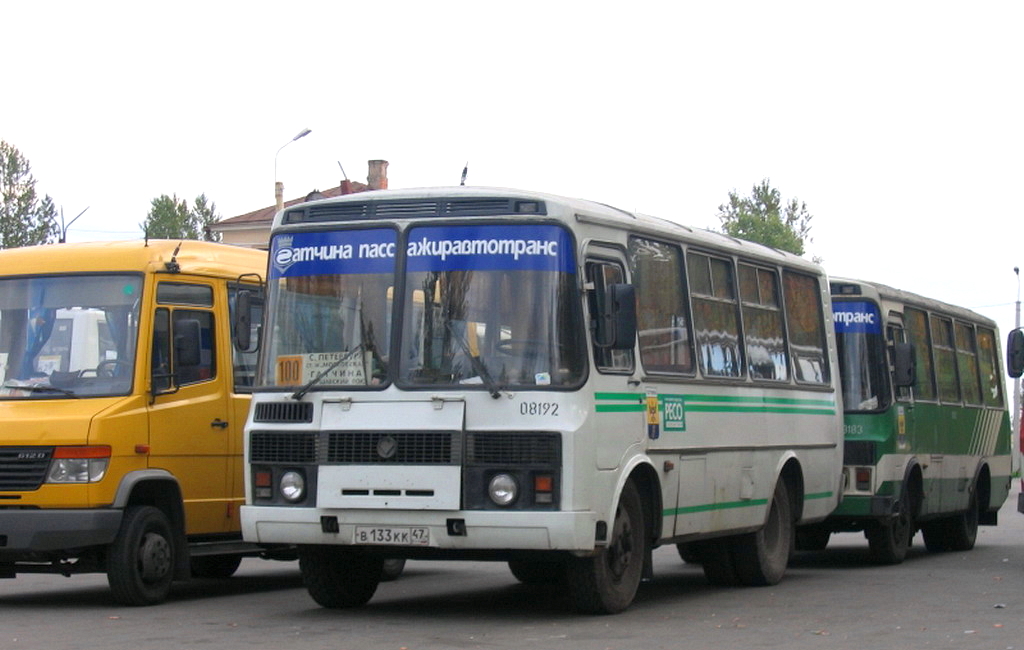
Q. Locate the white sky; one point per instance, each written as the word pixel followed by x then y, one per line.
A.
pixel 898 123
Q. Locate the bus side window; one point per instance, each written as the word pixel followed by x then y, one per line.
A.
pixel 988 362
pixel 662 318
pixel 602 275
pixel 917 330
pixel 806 326
pixel 244 361
pixel 945 359
pixel 716 324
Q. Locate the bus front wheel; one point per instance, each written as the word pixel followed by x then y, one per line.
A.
pixel 338 577
pixel 607 582
pixel 889 540
pixel 140 562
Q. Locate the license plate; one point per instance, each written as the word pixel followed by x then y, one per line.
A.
pixel 393 535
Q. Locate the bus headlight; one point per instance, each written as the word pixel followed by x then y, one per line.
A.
pixel 503 489
pixel 292 486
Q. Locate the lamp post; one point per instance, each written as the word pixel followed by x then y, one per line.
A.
pixel 1016 382
pixel 278 186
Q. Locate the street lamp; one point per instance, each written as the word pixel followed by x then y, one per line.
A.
pixel 1016 382
pixel 278 186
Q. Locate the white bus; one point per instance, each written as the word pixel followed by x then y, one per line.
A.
pixel 491 374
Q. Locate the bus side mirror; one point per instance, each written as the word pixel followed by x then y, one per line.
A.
pixel 241 328
pixel 620 317
pixel 187 343
pixel 904 374
pixel 1015 353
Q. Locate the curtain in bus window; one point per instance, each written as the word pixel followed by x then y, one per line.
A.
pixel 806 328
pixel 945 359
pixel 715 321
pixel 662 323
pixel 988 360
pixel 967 361
pixel 919 336
pixel 762 324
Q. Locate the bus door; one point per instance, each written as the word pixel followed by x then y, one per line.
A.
pixel 619 405
pixel 191 426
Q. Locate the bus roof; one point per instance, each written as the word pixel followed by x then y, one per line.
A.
pixel 197 257
pixel 455 202
pixel 891 294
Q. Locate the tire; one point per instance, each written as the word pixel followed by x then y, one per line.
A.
pixel 761 557
pixel 689 552
pixel 140 561
pixel 717 561
pixel 889 540
pixel 542 572
pixel 392 568
pixel 339 577
pixel 956 533
pixel 215 566
pixel 607 582
pixel 812 538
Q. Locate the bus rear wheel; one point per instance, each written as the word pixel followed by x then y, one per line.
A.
pixel 956 533
pixel 760 558
pixel 607 582
pixel 338 577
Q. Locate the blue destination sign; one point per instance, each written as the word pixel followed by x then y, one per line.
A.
pixel 333 253
pixel 490 248
pixel 856 318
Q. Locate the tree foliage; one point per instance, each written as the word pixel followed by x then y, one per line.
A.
pixel 171 218
pixel 25 219
pixel 762 218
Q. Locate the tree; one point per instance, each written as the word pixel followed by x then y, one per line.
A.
pixel 25 220
pixel 762 218
pixel 171 218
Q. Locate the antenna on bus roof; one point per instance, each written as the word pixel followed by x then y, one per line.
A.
pixel 465 170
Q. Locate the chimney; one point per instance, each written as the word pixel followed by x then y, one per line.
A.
pixel 346 187
pixel 378 176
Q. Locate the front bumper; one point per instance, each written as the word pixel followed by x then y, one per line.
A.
pixel 24 532
pixel 476 530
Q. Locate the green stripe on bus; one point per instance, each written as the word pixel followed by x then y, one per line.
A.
pixel 817 495
pixel 718 404
pixel 714 506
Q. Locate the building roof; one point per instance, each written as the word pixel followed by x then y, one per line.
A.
pixel 266 215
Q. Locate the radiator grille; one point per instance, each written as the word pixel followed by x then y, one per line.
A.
pixel 423 447
pixel 283 412
pixel 267 447
pixel 512 448
pixel 23 468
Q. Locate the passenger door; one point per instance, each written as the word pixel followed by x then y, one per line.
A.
pixel 192 430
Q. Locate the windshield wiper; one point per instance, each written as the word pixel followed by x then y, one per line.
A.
pixel 297 395
pixel 479 366
pixel 38 388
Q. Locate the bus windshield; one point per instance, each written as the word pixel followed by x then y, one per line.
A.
pixel 491 305
pixel 861 348
pixel 68 336
pixel 485 307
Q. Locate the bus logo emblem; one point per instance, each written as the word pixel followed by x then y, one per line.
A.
pixel 387 447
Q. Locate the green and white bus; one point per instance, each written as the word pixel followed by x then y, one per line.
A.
pixel 927 428
pixel 489 374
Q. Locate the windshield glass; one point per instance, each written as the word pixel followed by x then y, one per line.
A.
pixel 68 336
pixel 330 297
pixel 491 305
pixel 862 359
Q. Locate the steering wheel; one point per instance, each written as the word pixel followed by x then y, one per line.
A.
pixel 108 368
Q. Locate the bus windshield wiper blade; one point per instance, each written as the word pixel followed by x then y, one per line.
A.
pixel 38 388
pixel 479 366
pixel 297 395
